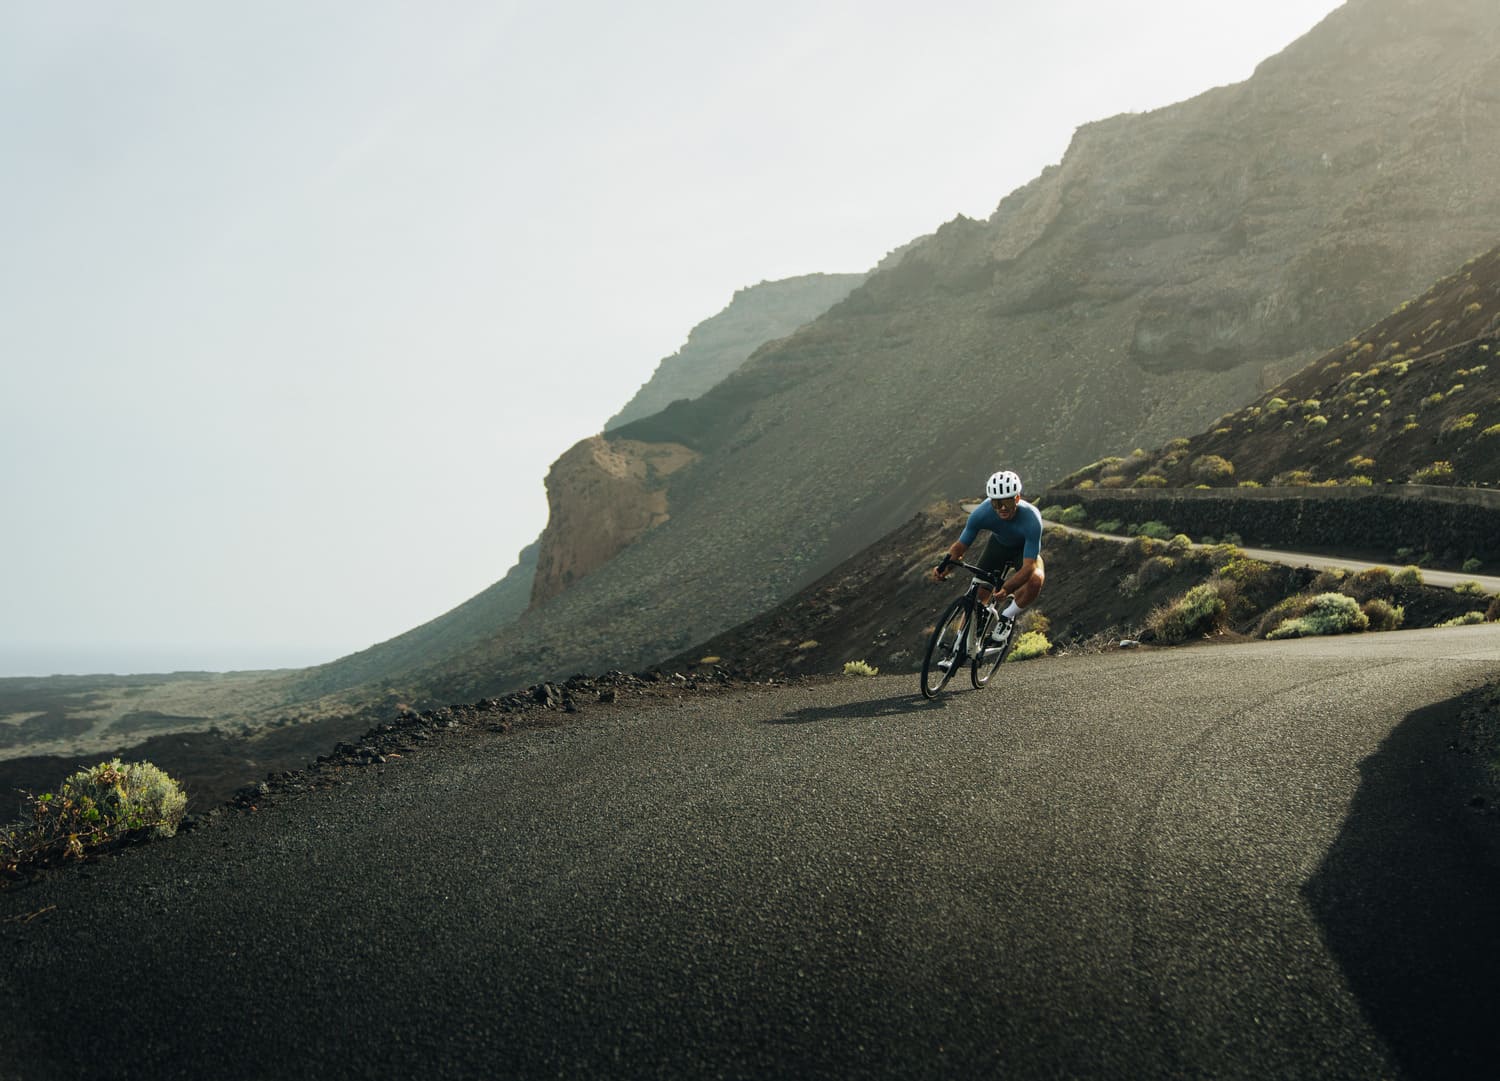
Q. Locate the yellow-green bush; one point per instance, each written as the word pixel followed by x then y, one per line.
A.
pixel 1153 570
pixel 1327 613
pixel 1365 584
pixel 1200 610
pixel 1464 620
pixel 1212 469
pixel 93 806
pixel 859 668
pixel 1382 614
pixel 1154 529
pixel 1408 576
pixel 1072 515
pixel 1029 645
pixel 1436 473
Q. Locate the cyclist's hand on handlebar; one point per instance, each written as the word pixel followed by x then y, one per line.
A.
pixel 941 571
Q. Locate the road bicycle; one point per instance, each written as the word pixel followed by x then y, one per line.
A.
pixel 952 641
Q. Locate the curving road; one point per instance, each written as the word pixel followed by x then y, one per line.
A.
pixel 1445 579
pixel 1246 861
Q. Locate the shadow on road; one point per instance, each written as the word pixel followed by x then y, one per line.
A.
pixel 1409 901
pixel 893 706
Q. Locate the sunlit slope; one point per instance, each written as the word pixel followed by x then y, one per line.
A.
pixel 1414 398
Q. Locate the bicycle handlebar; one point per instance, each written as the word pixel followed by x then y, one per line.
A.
pixel 993 577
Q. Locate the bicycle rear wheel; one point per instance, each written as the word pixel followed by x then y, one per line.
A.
pixel 990 657
pixel 946 644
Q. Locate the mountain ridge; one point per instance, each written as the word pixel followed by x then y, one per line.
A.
pixel 1172 265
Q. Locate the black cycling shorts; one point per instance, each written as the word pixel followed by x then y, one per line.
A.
pixel 997 555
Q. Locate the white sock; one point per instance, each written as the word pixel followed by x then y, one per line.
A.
pixel 1012 610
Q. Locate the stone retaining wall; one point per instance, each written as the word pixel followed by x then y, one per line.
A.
pixel 1451 523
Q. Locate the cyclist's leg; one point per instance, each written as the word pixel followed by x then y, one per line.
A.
pixel 1027 594
pixel 997 556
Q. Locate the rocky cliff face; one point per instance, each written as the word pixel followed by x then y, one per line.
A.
pixel 1173 266
pixel 717 346
pixel 601 496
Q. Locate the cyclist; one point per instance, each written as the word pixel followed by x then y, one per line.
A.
pixel 1015 537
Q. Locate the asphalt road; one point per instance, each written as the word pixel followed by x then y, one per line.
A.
pixel 1245 861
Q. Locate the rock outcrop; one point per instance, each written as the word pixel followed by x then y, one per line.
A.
pixel 601 496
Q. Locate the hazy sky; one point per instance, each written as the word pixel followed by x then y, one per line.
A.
pixel 299 299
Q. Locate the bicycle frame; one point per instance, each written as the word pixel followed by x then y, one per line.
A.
pixel 963 624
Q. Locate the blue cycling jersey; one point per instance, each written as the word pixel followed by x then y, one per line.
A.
pixel 1023 531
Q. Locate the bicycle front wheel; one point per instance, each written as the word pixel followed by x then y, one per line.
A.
pixel 988 659
pixel 945 645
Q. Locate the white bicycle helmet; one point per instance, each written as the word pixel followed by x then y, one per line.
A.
pixel 1003 485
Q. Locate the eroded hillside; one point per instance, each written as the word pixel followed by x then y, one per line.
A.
pixel 1172 267
pixel 1411 399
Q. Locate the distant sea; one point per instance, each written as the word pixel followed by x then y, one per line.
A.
pixel 27 659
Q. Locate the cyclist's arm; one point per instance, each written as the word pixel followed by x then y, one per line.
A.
pixel 955 553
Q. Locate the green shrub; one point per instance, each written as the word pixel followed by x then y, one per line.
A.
pixel 1029 645
pixel 1073 478
pixel 1408 576
pixel 1155 530
pixel 1360 464
pixel 1283 610
pixel 1365 584
pixel 1382 614
pixel 1469 589
pixel 1243 570
pixel 1455 425
pixel 1154 570
pixel 1327 613
pixel 1110 525
pixel 1150 480
pixel 1200 610
pixel 1180 543
pixel 1073 515
pixel 1211 469
pixel 859 668
pixel 1328 580
pixel 1464 620
pixel 1358 481
pixel 92 807
pixel 1143 546
pixel 1293 478
pixel 1436 473
pixel 1471 565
